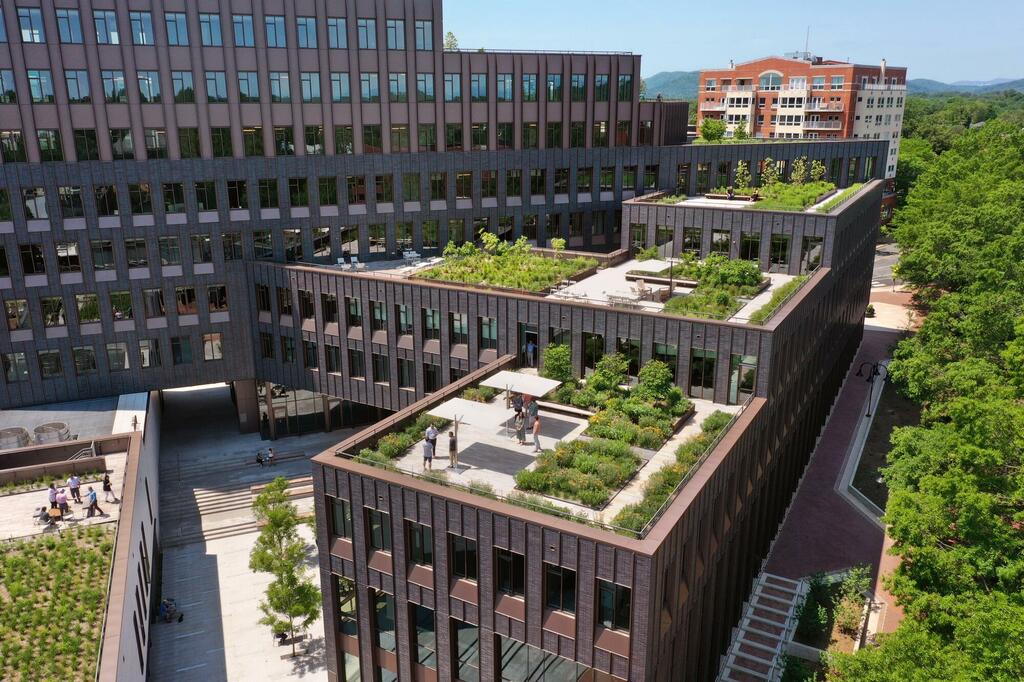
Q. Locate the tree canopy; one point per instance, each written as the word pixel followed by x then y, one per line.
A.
pixel 956 481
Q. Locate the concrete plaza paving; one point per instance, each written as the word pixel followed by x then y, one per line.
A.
pixel 207 471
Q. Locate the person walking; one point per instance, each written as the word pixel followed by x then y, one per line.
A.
pixel 94 507
pixel 62 502
pixel 531 407
pixel 74 482
pixel 517 402
pixel 108 489
pixel 536 434
pixel 270 456
pixel 259 458
pixel 453 449
pixel 52 492
pixel 428 455
pixel 520 423
pixel 531 353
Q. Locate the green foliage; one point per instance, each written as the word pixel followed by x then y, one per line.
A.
pixel 778 297
pixel 654 381
pixel 43 482
pixel 556 362
pixel 450 41
pixel 609 373
pixel 678 197
pixel 916 155
pixel 742 179
pixel 955 508
pixel 720 281
pixel 740 132
pixel 53 591
pixel 480 394
pixel 780 196
pixel 769 172
pixel 584 471
pixel 795 669
pixel 558 244
pixel 941 120
pixel 712 129
pixel 714 303
pixel 650 253
pixel 818 171
pixel 292 600
pixel 719 271
pixel 840 197
pixel 393 445
pixel 662 483
pixel 798 174
pixel 502 264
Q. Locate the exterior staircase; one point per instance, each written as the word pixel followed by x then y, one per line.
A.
pixel 764 630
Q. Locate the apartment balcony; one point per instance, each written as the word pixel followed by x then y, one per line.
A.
pixel 884 86
pixel 823 106
pixel 737 88
pixel 823 125
pixel 712 106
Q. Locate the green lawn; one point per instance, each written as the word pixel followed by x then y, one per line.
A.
pixel 511 266
pixel 52 601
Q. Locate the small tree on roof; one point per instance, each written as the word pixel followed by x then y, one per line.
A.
pixel 712 129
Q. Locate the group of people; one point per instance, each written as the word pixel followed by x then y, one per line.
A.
pixel 430 447
pixel 58 498
pixel 527 415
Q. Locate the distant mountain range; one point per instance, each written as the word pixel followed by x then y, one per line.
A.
pixel 925 86
pixel 683 85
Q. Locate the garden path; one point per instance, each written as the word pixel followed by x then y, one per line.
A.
pixel 634 490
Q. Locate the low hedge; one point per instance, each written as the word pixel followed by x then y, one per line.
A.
pixel 393 445
pixel 639 422
pixel 779 296
pixel 662 483
pixel 480 394
pixel 583 471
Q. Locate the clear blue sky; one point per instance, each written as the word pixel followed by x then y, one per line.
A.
pixel 938 39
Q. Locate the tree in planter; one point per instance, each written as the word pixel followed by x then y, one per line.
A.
pixel 556 363
pixel 712 129
pixel 817 171
pixel 654 381
pixel 610 373
pixel 450 41
pixel 292 600
pixel 742 180
pixel 769 172
pixel 799 174
pixel 851 600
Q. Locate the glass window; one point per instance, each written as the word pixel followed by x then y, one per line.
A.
pixel 213 346
pixel 625 92
pixel 88 306
pixel 559 588
pixel 369 87
pixel 466 644
pixel 30 21
pixel 340 89
pixel 424 87
pixel 510 572
pixel 181 350
pixel 305 27
pixel 142 28
pixel 341 517
pixel 310 84
pixel 613 604
pixel 85 359
pixel 347 618
pixel 462 560
pixel 395 34
pixel 384 620
pixel 279 87
pixel 366 30
pixel 424 34
pixel 149 349
pixel 601 87
pixel 554 87
pixel 177 28
pixel 426 638
pixel 504 87
pixel 216 87
pixel 702 373
pixel 209 28
pixel 778 255
pixel 241 27
pixel 337 35
pixel 69 25
pixel 452 87
pixel 149 86
pixel 183 87
pixel 379 530
pixel 274 26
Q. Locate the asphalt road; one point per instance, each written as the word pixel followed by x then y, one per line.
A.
pixel 886 256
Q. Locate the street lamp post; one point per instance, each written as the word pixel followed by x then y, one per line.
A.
pixel 875 369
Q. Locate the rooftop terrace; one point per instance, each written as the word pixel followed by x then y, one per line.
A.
pixel 613 450
pixel 809 197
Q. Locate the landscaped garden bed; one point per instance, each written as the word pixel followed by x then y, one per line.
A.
pixel 52 601
pixel 721 284
pixel 840 197
pixel 395 444
pixel 831 615
pixel 893 411
pixel 779 296
pixel 663 483
pixel 504 265
pixel 586 471
pixel 43 482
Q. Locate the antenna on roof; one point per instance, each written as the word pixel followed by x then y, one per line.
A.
pixel 807 41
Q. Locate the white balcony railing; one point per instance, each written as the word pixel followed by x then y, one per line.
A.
pixel 712 106
pixel 884 86
pixel 823 125
pixel 824 106
pixel 737 88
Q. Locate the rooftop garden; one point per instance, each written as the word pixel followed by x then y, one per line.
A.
pixel 43 482
pixel 393 445
pixel 721 283
pixel 779 296
pixel 498 263
pixel 585 471
pixel 645 416
pixel 52 601
pixel 840 197
pixel 663 483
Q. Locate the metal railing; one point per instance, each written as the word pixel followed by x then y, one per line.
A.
pixel 712 106
pixel 824 106
pixel 737 88
pixel 823 125
pixel 883 86
pixel 553 52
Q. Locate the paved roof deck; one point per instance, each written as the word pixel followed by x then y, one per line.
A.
pixel 84 418
pixel 610 287
pixel 489 453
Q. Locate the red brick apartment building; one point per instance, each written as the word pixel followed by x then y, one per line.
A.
pixel 802 96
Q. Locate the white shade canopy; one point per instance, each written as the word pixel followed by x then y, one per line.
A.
pixel 521 383
pixel 469 412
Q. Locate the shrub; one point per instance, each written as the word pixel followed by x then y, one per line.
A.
pixel 712 129
pixel 556 363
pixel 715 422
pixel 483 489
pixel 812 619
pixel 558 244
pixel 779 296
pixel 718 270
pixel 583 471
pixel 480 394
pixel 609 373
pixel 654 381
pixel 650 253
pixel 715 303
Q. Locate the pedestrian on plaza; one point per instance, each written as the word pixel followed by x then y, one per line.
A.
pixel 52 492
pixel 108 489
pixel 431 435
pixel 517 402
pixel 531 353
pixel 536 434
pixel 453 449
pixel 259 458
pixel 520 424
pixel 94 507
pixel 62 502
pixel 428 455
pixel 73 484
pixel 270 456
pixel 531 407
